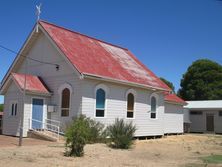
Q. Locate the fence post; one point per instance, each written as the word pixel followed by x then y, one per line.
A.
pixel 58 132
pixel 30 123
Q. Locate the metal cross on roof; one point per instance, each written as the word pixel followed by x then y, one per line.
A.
pixel 38 11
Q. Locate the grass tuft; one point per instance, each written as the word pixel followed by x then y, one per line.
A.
pixel 215 159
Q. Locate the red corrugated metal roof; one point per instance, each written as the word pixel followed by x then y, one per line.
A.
pixel 33 83
pixel 95 57
pixel 173 98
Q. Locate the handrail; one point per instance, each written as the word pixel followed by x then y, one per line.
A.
pixel 46 126
pixel 51 120
pixel 58 123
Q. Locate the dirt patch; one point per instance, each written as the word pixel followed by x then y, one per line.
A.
pixel 9 141
pixel 172 151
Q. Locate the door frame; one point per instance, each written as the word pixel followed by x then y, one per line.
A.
pixel 213 115
pixel 44 114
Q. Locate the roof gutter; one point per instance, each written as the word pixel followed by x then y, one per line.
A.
pixel 204 109
pixel 97 77
pixel 172 102
pixel 39 93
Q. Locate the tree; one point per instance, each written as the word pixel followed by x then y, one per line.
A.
pixel 1 107
pixel 170 84
pixel 202 81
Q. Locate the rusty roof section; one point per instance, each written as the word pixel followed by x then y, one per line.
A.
pixel 170 97
pixel 33 83
pixel 96 57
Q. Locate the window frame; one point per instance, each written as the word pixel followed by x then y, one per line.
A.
pixel 133 92
pixel 154 95
pixel 60 91
pixel 13 103
pixel 196 112
pixel 106 90
pixel 65 109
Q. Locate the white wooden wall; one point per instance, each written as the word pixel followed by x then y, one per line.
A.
pixel 43 50
pixel 11 123
pixel 116 107
pixel 173 118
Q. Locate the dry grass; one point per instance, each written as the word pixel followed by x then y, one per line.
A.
pixel 172 151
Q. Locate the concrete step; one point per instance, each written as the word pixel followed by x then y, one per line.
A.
pixel 43 135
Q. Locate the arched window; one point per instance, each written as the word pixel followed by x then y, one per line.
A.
pixel 153 107
pixel 100 102
pixel 65 102
pixel 130 105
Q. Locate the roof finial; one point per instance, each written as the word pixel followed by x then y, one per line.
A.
pixel 38 11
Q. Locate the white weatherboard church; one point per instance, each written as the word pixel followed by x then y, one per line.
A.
pixel 65 74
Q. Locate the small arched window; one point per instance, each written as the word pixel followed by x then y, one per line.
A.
pixel 65 106
pixel 100 103
pixel 153 107
pixel 130 105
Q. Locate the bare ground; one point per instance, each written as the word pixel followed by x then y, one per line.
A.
pixel 171 151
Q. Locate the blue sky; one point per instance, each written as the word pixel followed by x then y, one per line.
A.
pixel 166 35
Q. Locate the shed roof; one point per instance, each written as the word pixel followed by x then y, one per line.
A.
pixel 33 83
pixel 170 97
pixel 204 104
pixel 94 57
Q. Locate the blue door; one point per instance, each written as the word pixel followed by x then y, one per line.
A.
pixel 37 113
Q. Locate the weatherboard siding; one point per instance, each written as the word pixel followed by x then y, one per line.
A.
pixel 11 123
pixel 218 123
pixel 173 118
pixel 198 122
pixel 116 106
pixel 43 50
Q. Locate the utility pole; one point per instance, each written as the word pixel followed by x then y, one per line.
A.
pixel 23 108
pixel 38 12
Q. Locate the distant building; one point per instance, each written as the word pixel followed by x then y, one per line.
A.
pixel 205 116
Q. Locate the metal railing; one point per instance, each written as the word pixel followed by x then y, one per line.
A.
pixel 49 127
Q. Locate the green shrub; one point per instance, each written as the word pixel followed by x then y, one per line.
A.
pixel 96 131
pixel 76 136
pixel 82 130
pixel 121 134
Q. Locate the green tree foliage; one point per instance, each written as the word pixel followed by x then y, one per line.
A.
pixel 202 81
pixel 170 84
pixel 1 107
pixel 121 134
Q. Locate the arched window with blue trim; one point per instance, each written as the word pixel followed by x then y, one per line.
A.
pixel 153 107
pixel 100 103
